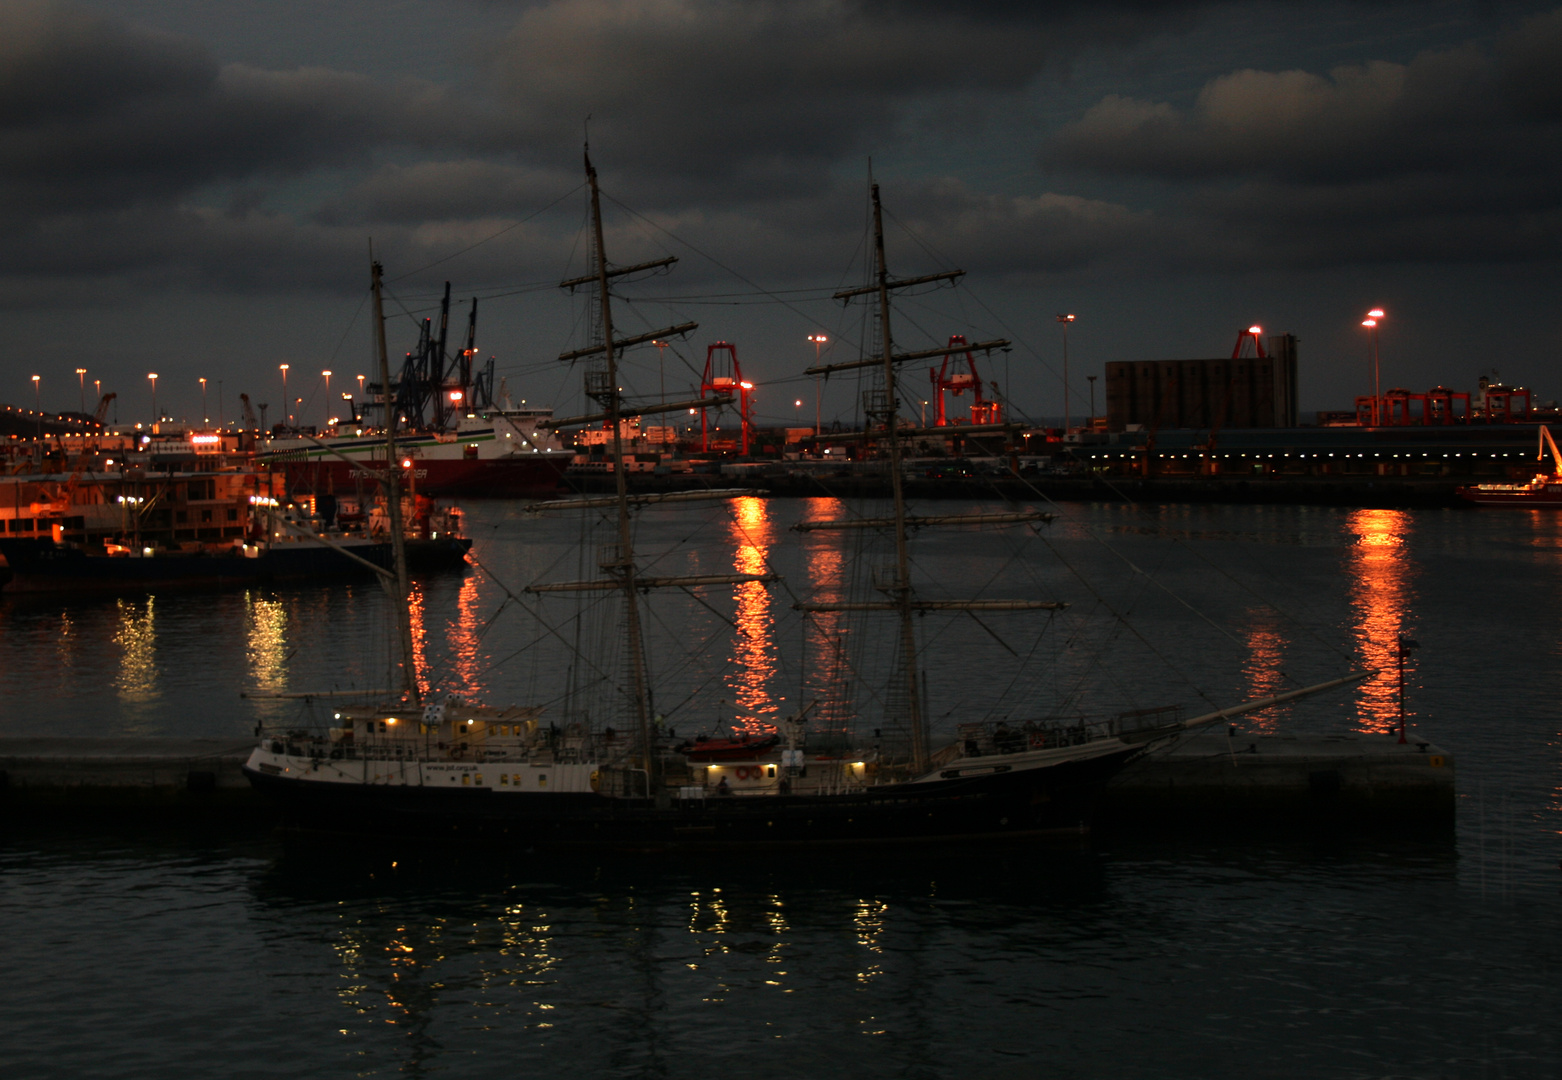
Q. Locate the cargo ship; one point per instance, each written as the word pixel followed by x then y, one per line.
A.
pixel 504 453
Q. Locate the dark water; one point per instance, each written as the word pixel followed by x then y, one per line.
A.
pixel 131 952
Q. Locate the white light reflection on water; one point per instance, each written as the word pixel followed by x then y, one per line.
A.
pixel 135 633
pixel 265 643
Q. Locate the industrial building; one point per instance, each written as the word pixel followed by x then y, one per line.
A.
pixel 1241 391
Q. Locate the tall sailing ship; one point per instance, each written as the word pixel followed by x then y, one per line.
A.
pixel 437 765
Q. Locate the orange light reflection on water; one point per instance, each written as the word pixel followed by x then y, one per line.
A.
pixel 460 673
pixel 465 634
pixel 1380 598
pixel 417 617
pixel 754 662
pixel 1264 667
pixel 827 682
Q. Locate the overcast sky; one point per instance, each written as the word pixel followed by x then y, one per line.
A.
pixel 190 187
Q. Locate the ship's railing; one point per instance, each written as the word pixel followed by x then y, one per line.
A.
pixel 623 783
pixel 984 738
pixel 315 746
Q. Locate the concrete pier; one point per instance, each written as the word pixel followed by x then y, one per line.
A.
pixel 1233 779
pixel 1210 777
pixel 42 776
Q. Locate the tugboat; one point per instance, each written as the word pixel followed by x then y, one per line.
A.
pixel 436 765
pixel 1543 492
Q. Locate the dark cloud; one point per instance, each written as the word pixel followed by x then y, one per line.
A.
pixel 1451 157
pixel 767 94
pixel 1370 118
pixel 129 152
pixel 446 190
pixel 96 114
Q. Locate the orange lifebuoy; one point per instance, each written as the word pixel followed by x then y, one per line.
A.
pixel 742 772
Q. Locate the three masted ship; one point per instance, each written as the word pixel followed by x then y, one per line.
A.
pixel 445 766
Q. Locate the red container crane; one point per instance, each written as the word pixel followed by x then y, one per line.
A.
pixel 723 375
pixel 957 382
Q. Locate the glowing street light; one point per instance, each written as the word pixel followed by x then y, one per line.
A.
pixel 38 403
pixel 152 375
pixel 205 419
pixel 818 340
pixel 360 386
pixel 81 378
pixel 285 402
pixel 1371 323
pixel 327 375
pixel 1065 320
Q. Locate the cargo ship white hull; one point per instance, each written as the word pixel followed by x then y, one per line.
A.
pixel 504 454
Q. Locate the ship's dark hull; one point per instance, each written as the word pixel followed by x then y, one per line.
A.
pixel 42 566
pixel 445 553
pixel 1055 800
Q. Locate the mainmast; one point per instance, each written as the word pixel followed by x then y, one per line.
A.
pixel 399 601
pixel 901 591
pixel 901 596
pixel 622 565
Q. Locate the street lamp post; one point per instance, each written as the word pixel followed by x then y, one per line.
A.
pixel 1371 323
pixel 38 403
pixel 1092 380
pixel 81 378
pixel 327 375
pixel 152 375
pixel 1065 320
pixel 661 366
pixel 818 340
pixel 286 411
pixel 205 417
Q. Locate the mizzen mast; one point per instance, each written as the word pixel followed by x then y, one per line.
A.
pixel 392 479
pixel 901 590
pixel 621 564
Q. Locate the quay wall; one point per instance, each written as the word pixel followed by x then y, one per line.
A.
pixel 1213 776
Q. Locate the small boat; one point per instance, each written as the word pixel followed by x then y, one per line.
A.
pixel 1543 492
pixel 742 747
